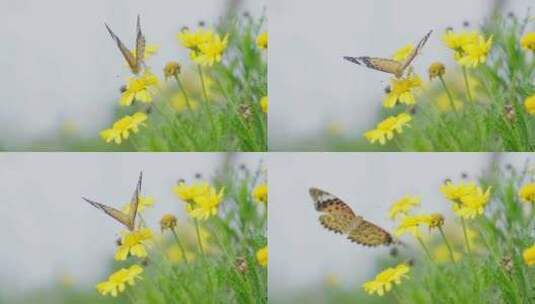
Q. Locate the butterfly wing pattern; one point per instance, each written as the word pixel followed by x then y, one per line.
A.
pixel 338 217
pixel 126 219
pixel 134 60
pixel 389 65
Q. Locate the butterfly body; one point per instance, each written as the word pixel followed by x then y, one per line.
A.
pixel 338 217
pixel 391 66
pixel 134 59
pixel 127 219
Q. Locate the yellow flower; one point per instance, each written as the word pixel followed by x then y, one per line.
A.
pixel 179 103
pixel 211 51
pixel 132 243
pixel 264 104
pixel 174 254
pixel 475 53
pixel 206 205
pixel 385 280
pixel 529 256
pixel 436 69
pixel 189 193
pixel 192 40
pixel 529 104
pixel 140 88
pixel 403 206
pixel 168 221
pixel 436 220
pixel 443 104
pixel 144 202
pixel 457 41
pixel 411 224
pixel 117 281
pixel 260 193
pixel 528 41
pixel 262 256
pixel 454 192
pixel 402 53
pixel 401 91
pixel 262 41
pixel 527 193
pixel 121 129
pixel 385 129
pixel 469 200
pixel 171 69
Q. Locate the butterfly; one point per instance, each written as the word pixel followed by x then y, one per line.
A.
pixel 337 216
pixel 134 60
pixel 127 219
pixel 389 65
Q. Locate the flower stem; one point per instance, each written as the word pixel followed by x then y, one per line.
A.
pixel 182 89
pixel 425 249
pixel 468 90
pixel 469 252
pixel 199 241
pixel 205 95
pixel 179 243
pixel 203 254
pixel 450 96
pixel 447 244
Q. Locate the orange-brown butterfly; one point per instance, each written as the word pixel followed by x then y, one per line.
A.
pixel 337 216
pixel 134 60
pixel 127 219
pixel 389 65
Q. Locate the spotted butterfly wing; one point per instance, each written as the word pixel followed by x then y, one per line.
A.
pixel 389 65
pixel 416 50
pixel 140 45
pixel 127 219
pixel 338 217
pixel 133 60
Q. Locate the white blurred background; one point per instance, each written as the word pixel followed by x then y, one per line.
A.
pixel 48 232
pixel 59 65
pixel 311 86
pixel 302 254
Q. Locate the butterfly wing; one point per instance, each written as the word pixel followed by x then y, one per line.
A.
pixel 119 216
pixel 337 216
pixel 140 46
pixel 380 64
pixel 128 56
pixel 416 50
pixel 134 203
pixel 369 234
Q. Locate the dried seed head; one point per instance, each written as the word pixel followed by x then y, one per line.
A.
pixel 436 69
pixel 466 23
pixel 241 265
pixel 171 69
pixel 168 221
pixel 507 264
pixel 509 112
pixel 464 175
pixel 202 23
pixel 198 175
pixel 245 111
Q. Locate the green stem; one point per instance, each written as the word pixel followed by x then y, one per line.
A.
pixel 447 244
pixel 450 96
pixel 205 96
pixel 469 252
pixel 468 90
pixel 179 243
pixel 182 89
pixel 203 254
pixel 425 250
